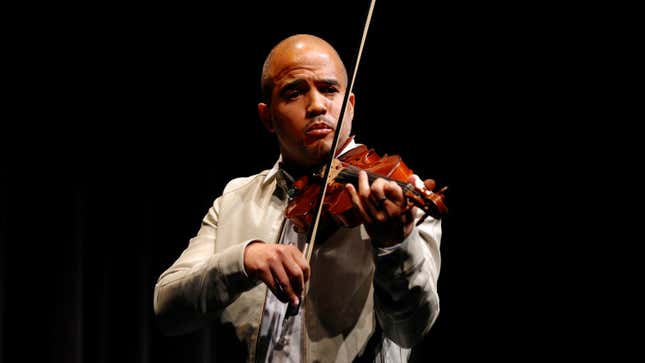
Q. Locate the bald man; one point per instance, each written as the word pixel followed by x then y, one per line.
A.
pixel 372 289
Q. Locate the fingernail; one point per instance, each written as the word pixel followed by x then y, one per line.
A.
pixel 296 302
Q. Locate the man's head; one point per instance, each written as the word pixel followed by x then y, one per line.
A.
pixel 303 85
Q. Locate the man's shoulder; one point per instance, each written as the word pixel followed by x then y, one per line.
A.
pixel 241 183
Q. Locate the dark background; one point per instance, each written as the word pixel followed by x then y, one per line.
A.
pixel 128 120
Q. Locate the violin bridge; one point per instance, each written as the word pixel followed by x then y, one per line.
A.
pixel 336 167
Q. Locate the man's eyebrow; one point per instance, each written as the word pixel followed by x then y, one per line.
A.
pixel 329 81
pixel 298 83
pixel 295 84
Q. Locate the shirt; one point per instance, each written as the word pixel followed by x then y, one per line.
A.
pixel 283 336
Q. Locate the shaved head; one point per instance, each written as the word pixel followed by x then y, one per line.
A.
pixel 292 49
pixel 304 83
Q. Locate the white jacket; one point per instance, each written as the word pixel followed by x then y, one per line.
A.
pixel 353 285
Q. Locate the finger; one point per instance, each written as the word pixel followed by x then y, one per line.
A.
pixel 371 196
pixel 356 201
pixel 267 277
pixel 296 276
pixel 393 192
pixel 281 278
pixel 416 181
pixel 377 192
pixel 300 259
pixel 426 184
pixel 378 201
pixel 430 184
pixel 363 185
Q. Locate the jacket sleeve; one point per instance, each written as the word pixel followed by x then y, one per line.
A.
pixel 201 282
pixel 405 284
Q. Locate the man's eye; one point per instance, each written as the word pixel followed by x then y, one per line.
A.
pixel 291 94
pixel 328 90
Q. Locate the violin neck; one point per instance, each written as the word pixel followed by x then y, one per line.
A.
pixel 349 174
pixel 431 203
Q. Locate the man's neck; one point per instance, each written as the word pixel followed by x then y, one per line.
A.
pixel 295 171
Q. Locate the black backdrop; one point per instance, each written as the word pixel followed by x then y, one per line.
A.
pixel 129 119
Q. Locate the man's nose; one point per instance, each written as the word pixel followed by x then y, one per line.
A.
pixel 317 104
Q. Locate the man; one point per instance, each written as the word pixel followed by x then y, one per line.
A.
pixel 368 293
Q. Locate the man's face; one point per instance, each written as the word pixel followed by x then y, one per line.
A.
pixel 306 100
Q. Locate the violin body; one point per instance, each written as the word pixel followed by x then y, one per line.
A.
pixel 337 203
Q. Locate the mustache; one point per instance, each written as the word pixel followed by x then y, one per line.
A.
pixel 327 120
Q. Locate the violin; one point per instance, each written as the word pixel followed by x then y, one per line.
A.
pixel 337 203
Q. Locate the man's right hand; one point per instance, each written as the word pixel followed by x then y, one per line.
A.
pixel 283 268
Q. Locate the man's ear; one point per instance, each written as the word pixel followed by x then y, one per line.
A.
pixel 265 116
pixel 350 101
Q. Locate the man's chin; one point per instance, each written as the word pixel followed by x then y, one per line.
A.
pixel 319 151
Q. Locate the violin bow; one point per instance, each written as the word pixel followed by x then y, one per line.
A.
pixel 334 145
